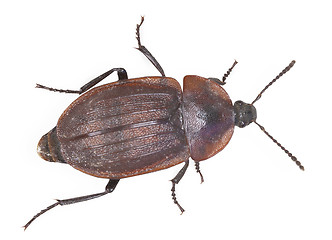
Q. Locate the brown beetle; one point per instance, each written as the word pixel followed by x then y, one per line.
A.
pixel 141 125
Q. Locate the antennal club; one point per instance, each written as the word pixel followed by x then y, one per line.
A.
pixel 274 80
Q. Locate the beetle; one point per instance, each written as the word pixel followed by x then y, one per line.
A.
pixel 142 125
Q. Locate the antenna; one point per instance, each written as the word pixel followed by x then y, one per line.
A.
pixel 298 163
pixel 274 80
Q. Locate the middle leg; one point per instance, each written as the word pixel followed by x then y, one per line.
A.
pixel 176 180
pixel 145 51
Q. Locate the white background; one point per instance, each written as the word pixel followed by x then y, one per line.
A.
pixel 252 190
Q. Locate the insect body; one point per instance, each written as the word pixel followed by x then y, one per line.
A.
pixel 141 125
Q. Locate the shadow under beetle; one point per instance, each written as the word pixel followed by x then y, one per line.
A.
pixel 141 125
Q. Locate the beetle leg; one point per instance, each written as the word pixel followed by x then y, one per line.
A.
pixel 198 170
pixel 109 188
pixel 228 72
pixel 223 81
pixel 176 180
pixel 145 51
pixel 122 74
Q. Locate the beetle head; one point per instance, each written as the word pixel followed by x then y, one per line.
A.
pixel 244 113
